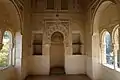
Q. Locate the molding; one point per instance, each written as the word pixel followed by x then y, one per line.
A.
pixel 19 5
pixel 94 6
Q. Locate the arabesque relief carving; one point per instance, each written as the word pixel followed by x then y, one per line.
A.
pixel 56 26
pixel 53 26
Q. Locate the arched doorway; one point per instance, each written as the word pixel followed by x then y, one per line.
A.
pixel 57 54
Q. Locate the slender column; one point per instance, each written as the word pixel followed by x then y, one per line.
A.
pixel 114 50
pixel 117 50
pixel 103 58
pixel 118 53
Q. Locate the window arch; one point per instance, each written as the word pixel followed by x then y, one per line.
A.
pixel 5 53
pixel 116 46
pixel 107 54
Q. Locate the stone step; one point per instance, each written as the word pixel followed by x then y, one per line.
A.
pixel 57 71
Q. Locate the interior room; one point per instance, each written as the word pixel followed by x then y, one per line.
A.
pixel 60 40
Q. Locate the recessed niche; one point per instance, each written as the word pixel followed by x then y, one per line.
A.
pixel 37 44
pixel 76 44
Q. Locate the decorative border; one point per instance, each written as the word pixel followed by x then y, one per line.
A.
pixel 54 26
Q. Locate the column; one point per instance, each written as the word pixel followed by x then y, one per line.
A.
pixel 103 58
pixel 118 52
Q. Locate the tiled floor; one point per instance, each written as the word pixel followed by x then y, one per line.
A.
pixel 59 77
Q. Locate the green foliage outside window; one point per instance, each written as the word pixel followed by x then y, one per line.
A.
pixel 4 56
pixel 4 52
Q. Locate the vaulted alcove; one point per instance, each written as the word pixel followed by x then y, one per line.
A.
pixel 57 54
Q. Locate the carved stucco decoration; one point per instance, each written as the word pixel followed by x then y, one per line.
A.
pixel 94 7
pixel 61 26
pixel 51 27
pixel 19 5
pixel 96 4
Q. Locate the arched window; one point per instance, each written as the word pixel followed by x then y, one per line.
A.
pixel 116 47
pixel 5 53
pixel 107 49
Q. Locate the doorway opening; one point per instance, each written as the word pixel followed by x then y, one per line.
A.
pixel 57 57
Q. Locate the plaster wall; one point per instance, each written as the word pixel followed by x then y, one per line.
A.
pixel 112 19
pixel 8 74
pixel 88 50
pixel 9 21
pixel 108 20
pixel 73 64
pixel 76 25
pixel 41 65
pixel 57 55
pixel 109 74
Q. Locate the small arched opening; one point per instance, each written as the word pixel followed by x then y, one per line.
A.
pixel 57 57
pixel 6 51
pixel 107 55
pixel 115 36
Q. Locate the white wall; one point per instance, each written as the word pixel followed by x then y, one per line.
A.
pixel 57 55
pixel 75 64
pixel 109 74
pixel 8 74
pixel 89 67
pixel 107 20
pixel 40 65
pixel 76 25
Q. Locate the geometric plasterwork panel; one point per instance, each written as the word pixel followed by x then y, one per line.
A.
pixel 52 26
pixel 56 26
pixel 94 8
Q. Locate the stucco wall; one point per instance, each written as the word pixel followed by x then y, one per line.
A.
pixel 76 25
pixel 8 74
pixel 112 19
pixel 57 55
pixel 9 21
pixel 73 64
pixel 109 74
pixel 39 65
pixel 108 19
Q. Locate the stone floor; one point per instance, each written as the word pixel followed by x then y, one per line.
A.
pixel 59 77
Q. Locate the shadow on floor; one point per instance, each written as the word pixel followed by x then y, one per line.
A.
pixel 57 71
pixel 59 77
